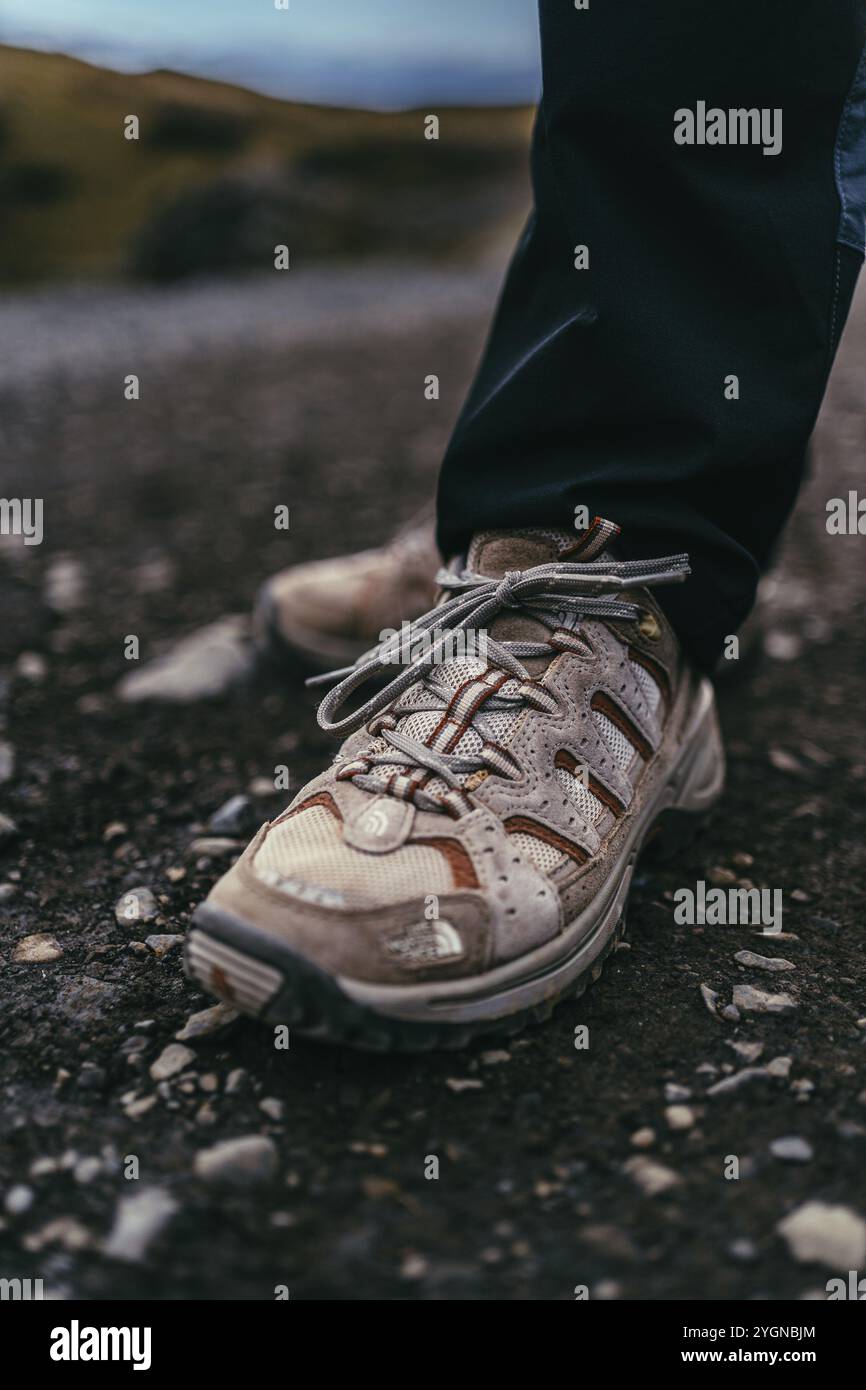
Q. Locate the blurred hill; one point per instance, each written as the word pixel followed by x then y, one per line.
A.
pixel 220 175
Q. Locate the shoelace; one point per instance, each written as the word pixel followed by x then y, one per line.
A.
pixel 553 593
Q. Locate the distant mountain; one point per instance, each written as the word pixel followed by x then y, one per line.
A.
pixel 323 75
pixel 376 85
pixel 221 174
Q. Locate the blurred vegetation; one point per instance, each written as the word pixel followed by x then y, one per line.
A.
pixel 221 175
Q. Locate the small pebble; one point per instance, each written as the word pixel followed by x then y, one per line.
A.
pixel 65 585
pixel 137 905
pixel 261 787
pixel 607 1290
pixel 136 1108
pixel 161 945
pixel 237 816
pixel 86 1169
pixel 721 878
pixel 242 1162
pixel 679 1117
pixel 775 964
pixel 652 1178
pixel 729 1085
pixel 170 1061
pixel 138 1221
pixel 207 1021
pixel 19 1199
pixel 779 1066
pixel 37 950
pixel 711 999
pixel 213 847
pixel 272 1107
pixel 757 1001
pixel 792 1149
pixel 675 1093
pixel 833 1236
pixel 743 1251
pixel 31 666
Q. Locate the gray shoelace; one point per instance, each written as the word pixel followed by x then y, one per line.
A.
pixel 552 593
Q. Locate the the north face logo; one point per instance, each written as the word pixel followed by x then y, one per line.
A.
pixel 425 943
pixel 375 822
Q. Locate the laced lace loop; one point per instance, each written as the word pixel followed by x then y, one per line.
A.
pixel 556 593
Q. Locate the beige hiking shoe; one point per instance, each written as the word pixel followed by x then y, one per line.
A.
pixel 465 861
pixel 329 612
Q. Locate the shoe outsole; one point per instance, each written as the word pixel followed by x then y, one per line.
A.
pixel 310 1001
pixel 265 979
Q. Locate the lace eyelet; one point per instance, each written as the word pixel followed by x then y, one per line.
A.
pixel 649 626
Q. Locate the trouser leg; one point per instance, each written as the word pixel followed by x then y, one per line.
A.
pixel 669 376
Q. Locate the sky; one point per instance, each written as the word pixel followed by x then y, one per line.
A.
pixel 379 53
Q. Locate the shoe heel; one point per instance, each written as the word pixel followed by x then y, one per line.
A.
pixel 700 778
pixel 699 782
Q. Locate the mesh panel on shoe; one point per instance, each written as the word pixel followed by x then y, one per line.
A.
pixel 496 725
pixel 619 745
pixel 586 802
pixel 545 857
pixel 650 687
pixel 420 726
pixel 309 848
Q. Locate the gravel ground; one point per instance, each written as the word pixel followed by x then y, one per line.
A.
pixel 609 1167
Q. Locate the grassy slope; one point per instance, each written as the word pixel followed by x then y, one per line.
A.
pixel 57 111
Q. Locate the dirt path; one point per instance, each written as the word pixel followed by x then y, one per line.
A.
pixel 159 518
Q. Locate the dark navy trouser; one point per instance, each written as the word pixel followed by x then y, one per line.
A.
pixel 612 386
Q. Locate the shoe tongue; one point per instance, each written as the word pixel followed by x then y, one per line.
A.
pixel 494 553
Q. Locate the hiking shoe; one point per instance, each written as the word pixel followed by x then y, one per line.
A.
pixel 329 612
pixel 465 861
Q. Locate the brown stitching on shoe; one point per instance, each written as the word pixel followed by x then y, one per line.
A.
pixel 320 799
pixel 654 669
pixel 605 796
pixel 604 704
pixel 524 825
pixel 597 535
pixel 459 862
pixel 462 725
